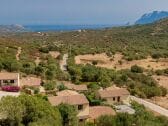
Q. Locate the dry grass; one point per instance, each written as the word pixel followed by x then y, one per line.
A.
pixel 161 101
pixel 162 80
pixel 119 63
pixel 54 54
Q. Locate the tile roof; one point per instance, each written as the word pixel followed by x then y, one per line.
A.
pixel 8 75
pixel 113 92
pixel 67 93
pixel 78 99
pixel 30 81
pixel 97 111
pixel 75 87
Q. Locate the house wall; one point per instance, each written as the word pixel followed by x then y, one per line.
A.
pixel 84 113
pixel 122 98
pixel 16 82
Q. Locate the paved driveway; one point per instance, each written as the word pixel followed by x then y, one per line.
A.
pixel 3 93
pixel 151 106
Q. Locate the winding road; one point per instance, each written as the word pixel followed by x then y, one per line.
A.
pixel 151 106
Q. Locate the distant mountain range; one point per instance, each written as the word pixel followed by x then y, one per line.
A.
pixel 152 17
pixel 145 19
pixel 11 28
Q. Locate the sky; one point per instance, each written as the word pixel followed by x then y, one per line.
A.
pixel 47 12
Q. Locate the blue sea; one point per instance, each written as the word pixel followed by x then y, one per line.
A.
pixel 45 28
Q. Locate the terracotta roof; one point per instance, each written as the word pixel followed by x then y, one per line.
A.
pixel 75 87
pixel 97 111
pixel 30 81
pixel 112 88
pixel 71 99
pixel 8 76
pixel 67 93
pixel 113 93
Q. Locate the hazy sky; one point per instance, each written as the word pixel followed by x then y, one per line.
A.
pixel 76 11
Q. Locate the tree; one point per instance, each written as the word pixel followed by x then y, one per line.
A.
pixel 69 115
pixel 29 111
pixel 13 110
pixel 123 119
pixel 61 87
pixel 37 109
pixel 50 74
pixel 11 65
pixel 1 66
pixel 106 120
pixel 51 85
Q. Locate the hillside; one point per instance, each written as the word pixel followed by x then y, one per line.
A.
pixel 140 40
pixel 84 54
pixel 152 17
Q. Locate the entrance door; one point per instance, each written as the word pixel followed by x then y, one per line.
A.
pixel 118 99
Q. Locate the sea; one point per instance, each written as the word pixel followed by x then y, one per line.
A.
pixel 46 28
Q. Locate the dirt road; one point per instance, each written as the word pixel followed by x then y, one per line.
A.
pixel 63 62
pixel 18 53
pixel 151 106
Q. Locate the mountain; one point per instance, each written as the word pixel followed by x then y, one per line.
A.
pixel 12 28
pixel 152 17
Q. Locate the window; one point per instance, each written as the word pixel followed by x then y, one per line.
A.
pixel 12 81
pixel 113 98
pixel 5 81
pixel 81 120
pixel 80 107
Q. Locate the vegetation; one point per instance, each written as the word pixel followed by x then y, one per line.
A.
pixel 51 85
pixel 28 111
pixel 140 118
pixel 69 115
pixel 134 42
pixel 135 81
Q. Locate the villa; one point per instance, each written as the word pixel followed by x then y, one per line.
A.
pixel 72 98
pixel 114 95
pixel 7 78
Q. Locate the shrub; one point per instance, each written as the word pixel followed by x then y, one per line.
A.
pixel 136 69
pixel 50 85
pixel 94 62
pixel 44 50
pixel 156 55
pixel 11 88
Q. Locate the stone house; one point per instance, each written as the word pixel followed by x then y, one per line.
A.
pixel 114 95
pixel 72 98
pixel 7 78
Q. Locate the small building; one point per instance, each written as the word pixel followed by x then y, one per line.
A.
pixel 72 98
pixel 79 88
pixel 7 78
pixel 30 81
pixel 97 111
pixel 114 95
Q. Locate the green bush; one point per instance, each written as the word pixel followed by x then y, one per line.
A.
pixel 136 69
pixel 51 85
